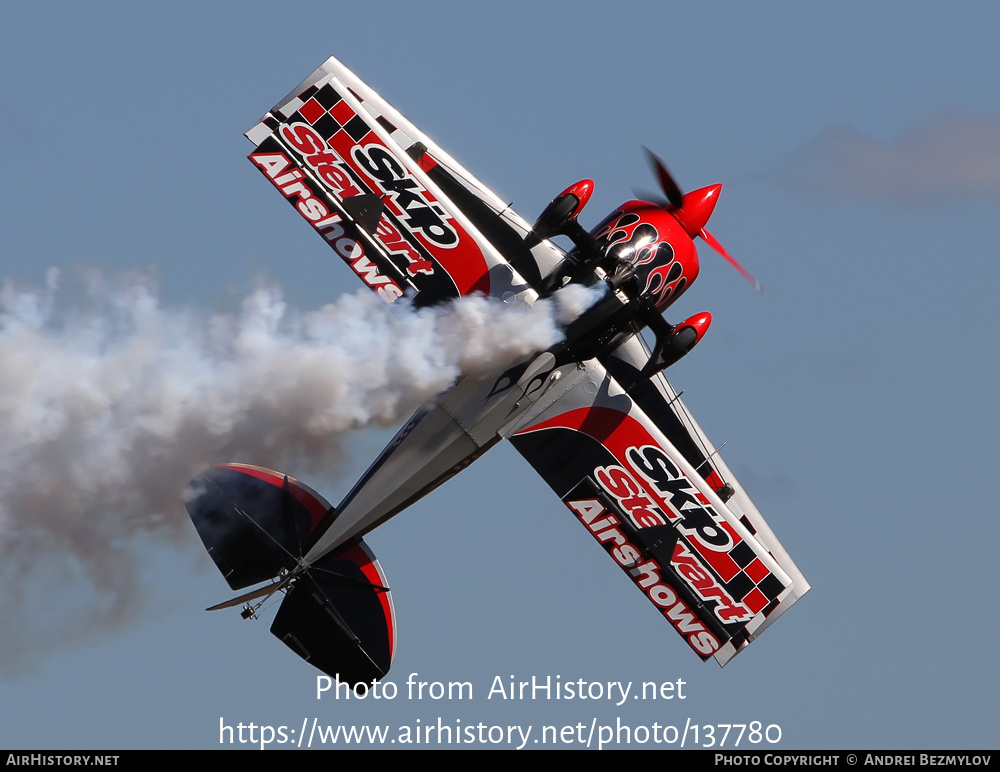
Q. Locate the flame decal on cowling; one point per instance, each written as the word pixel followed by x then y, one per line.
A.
pixel 637 243
pixel 666 278
pixel 617 221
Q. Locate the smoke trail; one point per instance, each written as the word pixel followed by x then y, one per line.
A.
pixel 952 155
pixel 107 412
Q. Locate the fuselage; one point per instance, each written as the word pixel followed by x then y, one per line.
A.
pixel 645 254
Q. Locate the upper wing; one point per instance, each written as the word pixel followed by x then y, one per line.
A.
pixel 712 567
pixel 400 211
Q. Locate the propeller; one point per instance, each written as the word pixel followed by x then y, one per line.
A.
pixel 669 186
pixel 693 211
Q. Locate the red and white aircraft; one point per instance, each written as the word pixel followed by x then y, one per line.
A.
pixel 593 415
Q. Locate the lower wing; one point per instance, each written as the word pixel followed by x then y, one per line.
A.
pixel 710 566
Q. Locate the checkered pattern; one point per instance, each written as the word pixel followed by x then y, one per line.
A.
pixel 754 585
pixel 324 108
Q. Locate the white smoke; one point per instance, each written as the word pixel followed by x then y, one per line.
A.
pixel 109 407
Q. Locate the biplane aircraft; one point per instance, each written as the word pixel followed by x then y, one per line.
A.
pixel 594 415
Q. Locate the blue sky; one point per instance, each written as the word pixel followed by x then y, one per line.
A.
pixel 859 146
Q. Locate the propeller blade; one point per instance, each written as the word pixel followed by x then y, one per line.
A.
pixel 714 244
pixel 667 183
pixel 649 196
pixel 675 198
